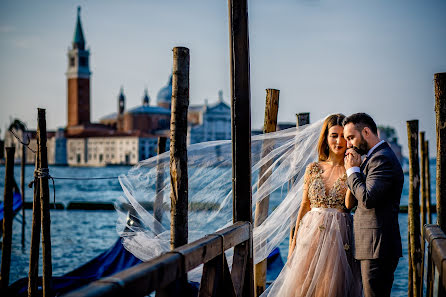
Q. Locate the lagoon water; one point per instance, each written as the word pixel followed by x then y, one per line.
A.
pixel 78 236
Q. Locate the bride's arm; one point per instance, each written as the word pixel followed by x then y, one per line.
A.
pixel 304 208
pixel 350 200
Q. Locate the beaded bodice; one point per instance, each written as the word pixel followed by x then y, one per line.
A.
pixel 318 194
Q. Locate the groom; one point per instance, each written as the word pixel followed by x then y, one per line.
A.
pixel 377 184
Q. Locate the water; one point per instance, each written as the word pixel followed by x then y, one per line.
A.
pixel 78 236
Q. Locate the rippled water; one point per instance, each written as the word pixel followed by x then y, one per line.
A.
pixel 78 236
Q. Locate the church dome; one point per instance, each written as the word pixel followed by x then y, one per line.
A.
pixel 165 94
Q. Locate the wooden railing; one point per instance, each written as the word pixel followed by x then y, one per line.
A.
pixel 436 261
pixel 163 271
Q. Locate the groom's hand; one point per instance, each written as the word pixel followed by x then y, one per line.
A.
pixel 352 159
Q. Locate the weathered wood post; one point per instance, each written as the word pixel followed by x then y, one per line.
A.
pixel 178 147
pixel 440 111
pixel 241 140
pixel 261 212
pixel 414 205
pixel 159 198
pixel 178 162
pixel 35 233
pixel 302 119
pixel 22 190
pixel 423 187
pixel 44 204
pixel 428 183
pixel 7 218
pixel 423 202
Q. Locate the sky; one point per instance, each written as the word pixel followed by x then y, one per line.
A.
pixel 325 56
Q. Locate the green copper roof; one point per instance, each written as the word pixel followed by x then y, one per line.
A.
pixel 78 40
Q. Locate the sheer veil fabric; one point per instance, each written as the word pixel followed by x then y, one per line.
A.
pixel 144 209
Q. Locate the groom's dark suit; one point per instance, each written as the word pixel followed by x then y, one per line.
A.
pixel 378 190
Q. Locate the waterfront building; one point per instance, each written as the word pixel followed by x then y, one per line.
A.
pixel 209 122
pixel 111 150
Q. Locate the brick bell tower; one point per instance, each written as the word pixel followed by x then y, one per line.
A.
pixel 78 79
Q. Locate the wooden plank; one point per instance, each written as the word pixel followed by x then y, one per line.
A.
pixel 239 263
pixel 208 247
pixel 161 271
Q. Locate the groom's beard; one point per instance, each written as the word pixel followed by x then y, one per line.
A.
pixel 362 148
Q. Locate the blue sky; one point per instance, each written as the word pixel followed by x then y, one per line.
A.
pixel 324 56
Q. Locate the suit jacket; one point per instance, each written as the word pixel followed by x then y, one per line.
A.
pixel 378 190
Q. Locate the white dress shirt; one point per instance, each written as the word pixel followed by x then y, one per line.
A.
pixel 352 170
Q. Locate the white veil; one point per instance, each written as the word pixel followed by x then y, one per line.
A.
pixel 146 236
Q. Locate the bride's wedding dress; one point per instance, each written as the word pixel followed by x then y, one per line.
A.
pixel 322 263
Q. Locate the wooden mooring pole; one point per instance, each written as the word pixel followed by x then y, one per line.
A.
pixel 22 190
pixel 428 183
pixel 33 272
pixel 44 204
pixel 7 219
pixel 302 119
pixel 159 198
pixel 178 163
pixel 241 139
pixel 440 111
pixel 261 212
pixel 178 147
pixel 423 187
pixel 414 206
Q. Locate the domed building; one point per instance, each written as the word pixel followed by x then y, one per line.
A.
pixel 164 97
pixel 142 119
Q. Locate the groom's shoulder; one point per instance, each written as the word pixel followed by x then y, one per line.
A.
pixel 385 156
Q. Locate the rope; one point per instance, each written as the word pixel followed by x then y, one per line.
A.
pixel 25 144
pixel 45 173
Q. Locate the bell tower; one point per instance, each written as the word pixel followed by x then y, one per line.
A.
pixel 78 79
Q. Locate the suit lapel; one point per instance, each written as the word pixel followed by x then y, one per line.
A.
pixel 380 147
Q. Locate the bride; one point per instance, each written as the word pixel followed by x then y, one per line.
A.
pixel 320 259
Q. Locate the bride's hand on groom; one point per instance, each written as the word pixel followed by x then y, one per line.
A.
pixel 351 159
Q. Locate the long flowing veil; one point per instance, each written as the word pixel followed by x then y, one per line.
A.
pixel 280 157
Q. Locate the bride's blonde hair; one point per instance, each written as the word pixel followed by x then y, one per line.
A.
pixel 322 145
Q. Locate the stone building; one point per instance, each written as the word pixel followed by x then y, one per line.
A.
pixel 209 122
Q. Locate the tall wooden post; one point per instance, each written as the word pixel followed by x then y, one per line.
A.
pixel 303 118
pixel 414 205
pixel 428 183
pixel 178 149
pixel 423 203
pixel 241 132
pixel 7 218
pixel 440 111
pixel 261 212
pixel 35 234
pixel 45 205
pixel 423 186
pixel 22 190
pixel 159 198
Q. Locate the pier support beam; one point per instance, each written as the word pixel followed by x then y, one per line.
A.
pixel 262 207
pixel 241 133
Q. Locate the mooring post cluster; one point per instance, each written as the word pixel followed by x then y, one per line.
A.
pixel 420 211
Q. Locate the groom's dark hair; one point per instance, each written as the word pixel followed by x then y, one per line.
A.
pixel 361 120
